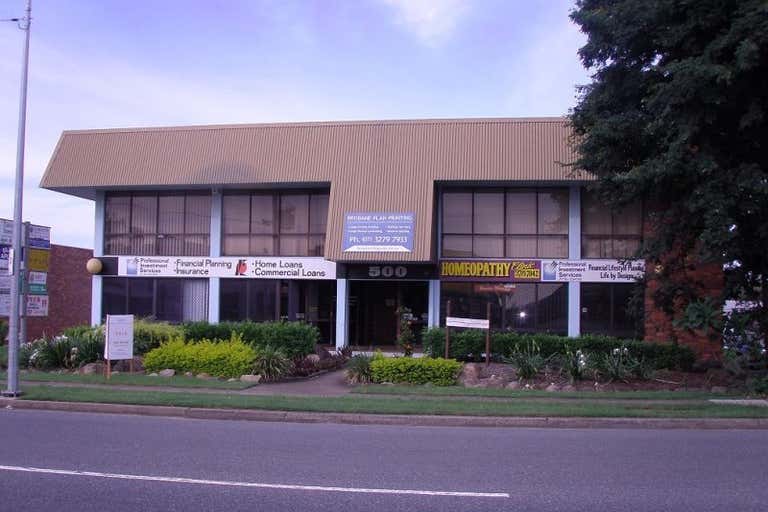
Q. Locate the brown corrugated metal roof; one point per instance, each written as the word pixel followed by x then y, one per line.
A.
pixel 370 165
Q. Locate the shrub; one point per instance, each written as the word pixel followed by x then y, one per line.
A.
pixel 3 356
pixel 3 331
pixel 422 370
pixel 295 339
pixel 616 365
pixel 359 369
pixel 47 354
pixel 271 363
pixel 470 344
pixel 527 360
pixel 230 358
pixel 574 363
pixel 148 335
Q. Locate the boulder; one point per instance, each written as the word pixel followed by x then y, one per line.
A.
pixel 470 374
pixel 232 380
pixel 204 376
pixel 168 372
pixel 312 359
pixel 495 382
pixel 189 374
pixel 568 388
pixel 552 388
pixel 92 369
pixel 253 379
pixel 153 374
pixel 513 385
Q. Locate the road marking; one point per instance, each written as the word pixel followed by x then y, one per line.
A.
pixel 294 487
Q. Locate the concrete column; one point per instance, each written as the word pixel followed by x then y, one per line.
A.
pixel 98 250
pixel 574 253
pixel 214 283
pixel 433 318
pixel 342 313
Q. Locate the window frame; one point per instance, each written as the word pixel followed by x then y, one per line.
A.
pixel 157 234
pixel 613 237
pixel 126 285
pixel 277 234
pixel 504 235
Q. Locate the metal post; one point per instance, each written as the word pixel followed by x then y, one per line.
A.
pixel 24 276
pixel 13 319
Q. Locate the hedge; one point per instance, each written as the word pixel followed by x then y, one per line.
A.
pixel 415 370
pixel 294 339
pixel 469 345
pixel 231 358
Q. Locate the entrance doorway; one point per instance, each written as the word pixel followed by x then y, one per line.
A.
pixel 373 305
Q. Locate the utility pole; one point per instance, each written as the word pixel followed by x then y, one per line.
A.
pixel 16 281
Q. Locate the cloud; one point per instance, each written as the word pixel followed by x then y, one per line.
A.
pixel 432 21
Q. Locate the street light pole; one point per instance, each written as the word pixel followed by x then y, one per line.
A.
pixel 13 318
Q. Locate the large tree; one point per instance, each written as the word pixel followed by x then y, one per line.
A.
pixel 677 115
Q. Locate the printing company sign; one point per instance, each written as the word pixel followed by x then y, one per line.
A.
pixel 378 232
pixel 273 267
pixel 593 271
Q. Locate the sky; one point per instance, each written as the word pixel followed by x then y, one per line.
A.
pixel 128 63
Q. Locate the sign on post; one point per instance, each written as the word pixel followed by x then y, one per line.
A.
pixel 469 323
pixel 118 340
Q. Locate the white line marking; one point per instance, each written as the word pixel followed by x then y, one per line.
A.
pixel 294 487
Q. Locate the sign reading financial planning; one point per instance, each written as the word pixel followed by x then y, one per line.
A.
pixel 119 337
pixel 588 271
pixel 378 232
pixel 593 271
pixel 272 267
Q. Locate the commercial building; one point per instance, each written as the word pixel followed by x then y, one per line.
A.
pixel 345 224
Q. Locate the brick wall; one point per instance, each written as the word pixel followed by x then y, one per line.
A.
pixel 69 291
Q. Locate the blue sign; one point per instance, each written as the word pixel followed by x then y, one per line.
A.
pixel 378 232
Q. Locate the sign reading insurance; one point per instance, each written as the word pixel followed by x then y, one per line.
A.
pixel 378 232
pixel 267 267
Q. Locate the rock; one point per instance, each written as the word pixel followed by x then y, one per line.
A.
pixel 203 376
pixel 168 372
pixel 322 353
pixel 470 374
pixel 719 389
pixel 253 379
pixel 92 369
pixel 189 374
pixel 552 388
pixel 312 359
pixel 495 382
pixel 568 388
pixel 513 385
pixel 232 380
pixel 153 374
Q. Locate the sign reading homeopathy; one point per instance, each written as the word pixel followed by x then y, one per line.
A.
pixel 378 232
pixel 593 271
pixel 490 270
pixel 119 337
pixel 247 267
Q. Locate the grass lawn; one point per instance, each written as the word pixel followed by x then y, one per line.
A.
pixel 460 391
pixel 402 405
pixel 124 379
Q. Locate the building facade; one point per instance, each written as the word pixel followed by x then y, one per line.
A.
pixel 349 224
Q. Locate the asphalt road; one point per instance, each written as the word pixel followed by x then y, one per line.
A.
pixel 132 461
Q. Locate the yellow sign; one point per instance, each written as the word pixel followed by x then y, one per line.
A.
pixel 39 260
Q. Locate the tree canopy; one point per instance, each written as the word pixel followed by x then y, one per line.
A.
pixel 675 115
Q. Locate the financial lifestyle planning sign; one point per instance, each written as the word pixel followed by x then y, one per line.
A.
pixel 378 232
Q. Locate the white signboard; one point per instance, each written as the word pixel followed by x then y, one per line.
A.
pixel 6 232
pixel 273 267
pixel 119 338
pixel 471 323
pixel 37 278
pixel 37 305
pixel 593 271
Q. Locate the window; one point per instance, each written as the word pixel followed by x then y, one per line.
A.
pixel 521 307
pixel 605 310
pixel 266 224
pixel 157 224
pixel 498 223
pixel 607 234
pixel 165 299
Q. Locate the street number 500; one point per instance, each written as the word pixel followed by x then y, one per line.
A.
pixel 387 271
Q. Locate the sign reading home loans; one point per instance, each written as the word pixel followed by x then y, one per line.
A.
pixel 470 323
pixel 119 337
pixel 378 232
pixel 249 267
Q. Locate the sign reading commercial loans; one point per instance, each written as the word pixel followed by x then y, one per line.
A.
pixel 378 232
pixel 254 268
pixel 593 271
pixel 588 271
pixel 490 270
